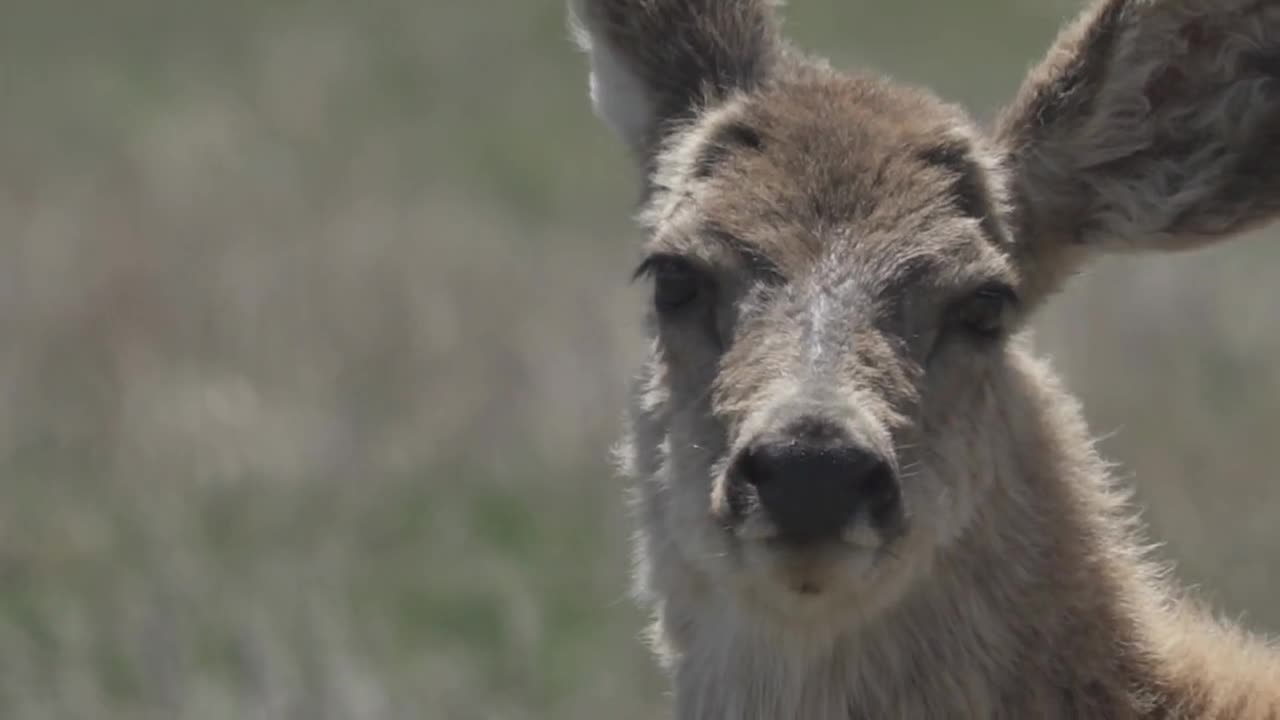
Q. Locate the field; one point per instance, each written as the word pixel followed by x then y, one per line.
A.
pixel 317 329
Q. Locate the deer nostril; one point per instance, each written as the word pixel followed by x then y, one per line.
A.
pixel 811 490
pixel 882 491
pixel 753 466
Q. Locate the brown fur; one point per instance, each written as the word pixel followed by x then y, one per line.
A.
pixel 841 230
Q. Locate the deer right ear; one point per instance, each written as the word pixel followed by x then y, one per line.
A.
pixel 1150 125
pixel 655 63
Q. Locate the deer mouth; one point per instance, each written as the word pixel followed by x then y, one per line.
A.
pixel 799 581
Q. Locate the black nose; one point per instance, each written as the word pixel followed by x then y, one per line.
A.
pixel 811 488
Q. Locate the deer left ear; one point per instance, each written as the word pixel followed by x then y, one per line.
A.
pixel 1151 125
pixel 657 62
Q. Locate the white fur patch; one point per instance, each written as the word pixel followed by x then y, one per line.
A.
pixel 617 95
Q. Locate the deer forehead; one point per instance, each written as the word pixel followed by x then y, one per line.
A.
pixel 836 175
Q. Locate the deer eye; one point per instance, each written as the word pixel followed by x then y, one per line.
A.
pixel 676 282
pixel 984 313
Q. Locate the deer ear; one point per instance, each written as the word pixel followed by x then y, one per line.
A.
pixel 655 63
pixel 1152 124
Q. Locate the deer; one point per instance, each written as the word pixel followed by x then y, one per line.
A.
pixel 858 490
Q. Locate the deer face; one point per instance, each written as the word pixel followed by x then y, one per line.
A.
pixel 839 267
pixel 831 284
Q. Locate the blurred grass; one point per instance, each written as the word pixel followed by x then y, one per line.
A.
pixel 317 333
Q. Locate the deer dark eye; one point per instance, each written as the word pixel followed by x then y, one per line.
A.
pixel 676 282
pixel 984 313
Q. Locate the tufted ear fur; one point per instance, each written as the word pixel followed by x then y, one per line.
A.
pixel 1151 125
pixel 655 63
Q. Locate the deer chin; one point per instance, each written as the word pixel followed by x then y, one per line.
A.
pixel 839 583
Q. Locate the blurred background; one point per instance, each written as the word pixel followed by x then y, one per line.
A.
pixel 316 333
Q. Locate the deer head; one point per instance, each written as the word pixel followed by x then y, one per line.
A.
pixel 842 267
